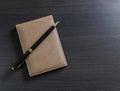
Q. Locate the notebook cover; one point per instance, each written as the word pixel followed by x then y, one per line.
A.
pixel 49 54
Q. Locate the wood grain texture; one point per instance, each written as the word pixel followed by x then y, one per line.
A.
pixel 90 35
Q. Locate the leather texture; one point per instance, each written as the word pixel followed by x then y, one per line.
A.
pixel 49 54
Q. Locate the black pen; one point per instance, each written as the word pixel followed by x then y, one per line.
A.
pixel 33 47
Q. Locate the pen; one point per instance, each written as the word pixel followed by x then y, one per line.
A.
pixel 33 47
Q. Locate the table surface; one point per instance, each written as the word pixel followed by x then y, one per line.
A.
pixel 90 36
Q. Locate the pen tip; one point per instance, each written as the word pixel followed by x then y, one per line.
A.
pixel 12 68
pixel 56 23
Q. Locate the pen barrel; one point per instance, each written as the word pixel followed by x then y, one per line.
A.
pixel 42 37
pixel 21 60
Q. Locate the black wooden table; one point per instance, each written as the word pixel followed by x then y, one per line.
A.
pixel 90 35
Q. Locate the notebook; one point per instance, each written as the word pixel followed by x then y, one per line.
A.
pixel 49 54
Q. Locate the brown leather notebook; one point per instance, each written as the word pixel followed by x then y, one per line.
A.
pixel 49 54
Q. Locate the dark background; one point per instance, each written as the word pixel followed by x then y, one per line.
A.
pixel 90 35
